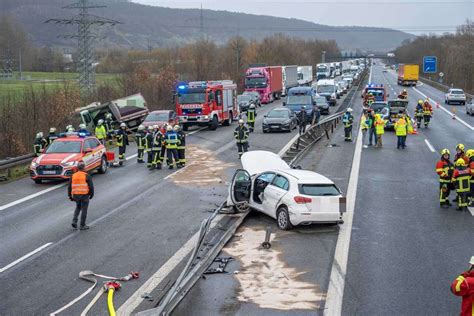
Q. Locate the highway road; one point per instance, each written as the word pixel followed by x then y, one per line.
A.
pixel 404 250
pixel 138 218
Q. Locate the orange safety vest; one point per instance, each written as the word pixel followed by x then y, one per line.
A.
pixel 79 184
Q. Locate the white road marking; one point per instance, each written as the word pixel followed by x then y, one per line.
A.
pixel 370 74
pixel 14 263
pixel 131 157
pixel 471 210
pixel 32 196
pixel 448 112
pixel 136 299
pixel 196 131
pixel 334 298
pixel 178 171
pixel 430 146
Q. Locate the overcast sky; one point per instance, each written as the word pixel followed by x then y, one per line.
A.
pixel 422 16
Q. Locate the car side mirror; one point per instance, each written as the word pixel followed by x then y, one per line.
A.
pixel 284 103
pixel 264 116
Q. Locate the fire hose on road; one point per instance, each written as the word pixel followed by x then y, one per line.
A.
pixel 109 287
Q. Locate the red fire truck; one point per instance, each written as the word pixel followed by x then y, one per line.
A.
pixel 206 103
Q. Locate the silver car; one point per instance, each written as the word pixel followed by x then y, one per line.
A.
pixel 455 96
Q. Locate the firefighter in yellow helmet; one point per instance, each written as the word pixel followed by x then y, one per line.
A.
pixel 462 182
pixel 470 155
pixel 445 169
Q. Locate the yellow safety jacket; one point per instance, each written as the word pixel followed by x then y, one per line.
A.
pixel 100 132
pixel 401 127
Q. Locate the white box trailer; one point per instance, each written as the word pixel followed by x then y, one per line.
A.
pixel 305 75
pixel 289 78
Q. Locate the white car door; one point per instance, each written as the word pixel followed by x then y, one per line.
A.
pixel 240 188
pixel 274 192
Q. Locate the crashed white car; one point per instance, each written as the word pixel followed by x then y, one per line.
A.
pixel 291 196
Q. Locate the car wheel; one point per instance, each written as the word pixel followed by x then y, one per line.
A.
pixel 241 208
pixel 283 219
pixel 103 166
pixel 264 131
pixel 38 181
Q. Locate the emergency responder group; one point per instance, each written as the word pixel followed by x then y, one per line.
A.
pixel 456 176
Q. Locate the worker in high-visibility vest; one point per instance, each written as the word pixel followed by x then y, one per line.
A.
pixel 251 115
pixel 427 112
pixel 462 182
pixel 241 135
pixel 347 120
pixel 401 131
pixel 379 129
pixel 463 286
pixel 171 141
pixel 101 131
pixel 121 137
pixel 140 138
pixel 181 146
pixel 39 144
pixel 80 190
pixel 445 169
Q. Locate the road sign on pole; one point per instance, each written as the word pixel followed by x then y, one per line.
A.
pixel 430 64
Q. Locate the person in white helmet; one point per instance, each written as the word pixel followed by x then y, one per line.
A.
pixel 83 130
pixel 121 137
pixel 52 136
pixel 347 120
pixel 69 128
pixel 181 146
pixel 39 144
pixel 251 116
pixel 157 148
pixel 140 139
pixel 149 146
pixel 101 131
pixel 171 141
pixel 241 135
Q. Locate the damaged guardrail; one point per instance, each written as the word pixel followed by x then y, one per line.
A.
pixel 208 247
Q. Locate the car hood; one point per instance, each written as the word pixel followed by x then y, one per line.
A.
pixel 259 161
pixel 275 120
pixel 56 159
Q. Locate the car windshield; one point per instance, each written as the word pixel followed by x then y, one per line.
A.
pixel 377 107
pixel 326 89
pixel 457 92
pixel 244 98
pixel 192 98
pixel 322 69
pixel 72 147
pixel 319 189
pixel 153 117
pixel 278 114
pixel 376 93
pixel 298 99
pixel 256 82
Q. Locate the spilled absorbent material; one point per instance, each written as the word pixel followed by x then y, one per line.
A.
pixel 266 280
pixel 203 168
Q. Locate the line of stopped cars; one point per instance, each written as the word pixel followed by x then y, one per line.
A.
pixel 292 196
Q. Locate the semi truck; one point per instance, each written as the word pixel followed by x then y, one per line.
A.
pixel 206 103
pixel 322 71
pixel 266 80
pixel 130 110
pixel 408 75
pixel 305 75
pixel 289 78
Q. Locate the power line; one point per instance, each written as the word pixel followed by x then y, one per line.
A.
pixel 86 37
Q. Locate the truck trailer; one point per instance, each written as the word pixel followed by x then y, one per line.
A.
pixel 408 75
pixel 305 75
pixel 266 80
pixel 289 78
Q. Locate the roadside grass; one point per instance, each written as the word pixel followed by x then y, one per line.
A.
pixel 47 80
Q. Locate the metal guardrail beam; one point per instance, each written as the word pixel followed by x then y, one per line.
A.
pixel 206 250
pixel 439 85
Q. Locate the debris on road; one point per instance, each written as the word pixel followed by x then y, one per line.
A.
pixel 266 244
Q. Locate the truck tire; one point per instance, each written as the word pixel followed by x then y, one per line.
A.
pixel 228 121
pixel 214 124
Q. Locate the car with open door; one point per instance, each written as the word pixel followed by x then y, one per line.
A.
pixel 266 183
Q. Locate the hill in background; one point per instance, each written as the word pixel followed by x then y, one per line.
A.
pixel 148 26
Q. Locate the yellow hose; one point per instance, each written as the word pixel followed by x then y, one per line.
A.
pixel 110 301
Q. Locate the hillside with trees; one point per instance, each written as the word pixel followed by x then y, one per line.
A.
pixel 148 26
pixel 455 54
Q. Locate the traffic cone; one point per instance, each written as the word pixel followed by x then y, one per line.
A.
pixel 437 105
pixel 454 112
pixel 415 130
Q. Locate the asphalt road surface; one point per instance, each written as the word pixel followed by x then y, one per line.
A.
pixel 138 218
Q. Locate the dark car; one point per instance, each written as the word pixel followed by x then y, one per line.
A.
pixel 322 104
pixel 378 107
pixel 160 118
pixel 279 119
pixel 244 102
pixel 255 96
